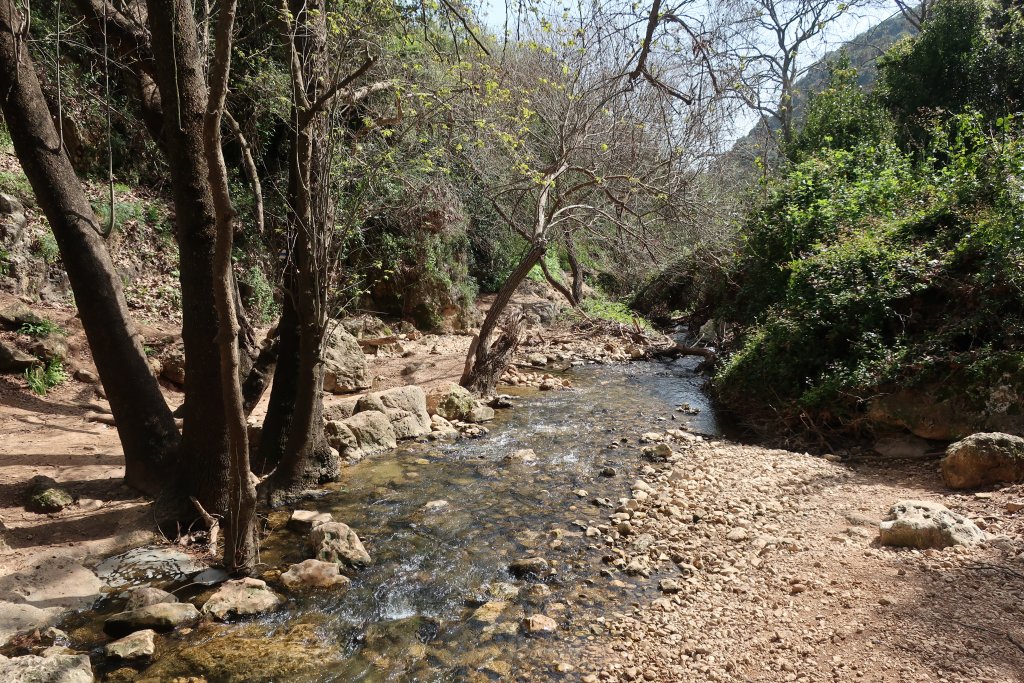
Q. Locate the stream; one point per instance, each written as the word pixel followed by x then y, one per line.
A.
pixel 412 615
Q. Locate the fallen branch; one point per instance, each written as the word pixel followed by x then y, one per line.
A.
pixel 212 525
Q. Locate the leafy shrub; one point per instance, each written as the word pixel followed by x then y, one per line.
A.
pixel 40 329
pixel 867 267
pixel 42 378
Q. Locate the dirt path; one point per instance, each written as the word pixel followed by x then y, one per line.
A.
pixel 776 575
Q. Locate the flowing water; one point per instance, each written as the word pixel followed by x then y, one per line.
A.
pixel 410 616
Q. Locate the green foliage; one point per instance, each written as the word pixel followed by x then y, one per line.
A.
pixel 42 378
pixel 260 300
pixel 969 56
pixel 16 184
pixel 841 116
pixel 41 328
pixel 46 247
pixel 871 266
pixel 603 308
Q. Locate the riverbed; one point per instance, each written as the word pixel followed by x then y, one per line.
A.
pixel 442 523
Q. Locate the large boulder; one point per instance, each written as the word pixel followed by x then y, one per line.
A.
pixel 921 524
pixel 984 459
pixel 241 598
pixel 344 363
pixel 164 616
pixel 54 669
pixel 405 407
pixel 372 432
pixel 336 542
pixel 452 402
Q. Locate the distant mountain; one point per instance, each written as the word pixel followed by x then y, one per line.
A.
pixel 737 166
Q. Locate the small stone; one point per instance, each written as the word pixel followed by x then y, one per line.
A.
pixel 669 586
pixel 737 534
pixel 528 567
pixel 539 623
pixel 922 524
pixel 489 612
pixel 133 646
pixel 537 594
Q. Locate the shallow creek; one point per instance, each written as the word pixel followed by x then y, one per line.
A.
pixel 410 616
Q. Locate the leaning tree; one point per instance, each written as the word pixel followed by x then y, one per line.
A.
pixel 578 138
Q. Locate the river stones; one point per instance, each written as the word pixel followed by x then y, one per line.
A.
pixel 523 455
pixel 146 564
pixel 336 542
pixel 489 612
pixel 528 567
pixel 405 407
pixel 144 596
pixel 372 431
pixel 162 617
pixel 305 520
pixel 451 402
pixel 314 574
pixel 241 598
pixel 922 524
pixel 539 623
pixel 133 646
pixel 247 653
pixel 54 669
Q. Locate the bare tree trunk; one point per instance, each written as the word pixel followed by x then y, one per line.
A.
pixel 575 268
pixel 145 425
pixel 478 366
pixel 240 537
pixel 181 80
pixel 297 445
pixel 559 287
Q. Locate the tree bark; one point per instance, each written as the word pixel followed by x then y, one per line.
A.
pixel 240 541
pixel 478 367
pixel 294 442
pixel 180 77
pixel 145 425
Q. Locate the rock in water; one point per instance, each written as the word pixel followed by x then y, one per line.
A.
pixel 162 617
pixel 539 623
pixel 241 598
pixel 336 542
pixel 144 596
pixel 529 567
pixel 372 431
pixel 55 669
pixel 405 407
pixel 44 495
pixel 452 403
pixel 984 459
pixel 344 363
pixel 135 646
pixel 304 520
pixel 314 574
pixel 920 524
